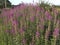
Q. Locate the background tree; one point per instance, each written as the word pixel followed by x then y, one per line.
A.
pixel 5 3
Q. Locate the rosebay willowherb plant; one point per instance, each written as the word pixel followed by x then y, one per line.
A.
pixel 28 24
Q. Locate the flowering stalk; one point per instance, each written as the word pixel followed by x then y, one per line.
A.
pixel 41 25
pixel 37 31
pixel 5 19
pixel 56 32
pixel 14 29
pixel 47 33
pixel 55 16
pixel 14 25
pixel 23 41
pixel 22 33
pixel 32 42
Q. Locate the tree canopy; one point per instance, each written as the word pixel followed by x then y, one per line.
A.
pixel 2 3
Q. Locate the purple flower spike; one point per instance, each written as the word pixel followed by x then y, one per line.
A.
pixel 11 13
pixel 55 11
pixel 14 22
pixel 47 14
pixel 56 32
pixel 37 34
pixel 42 9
